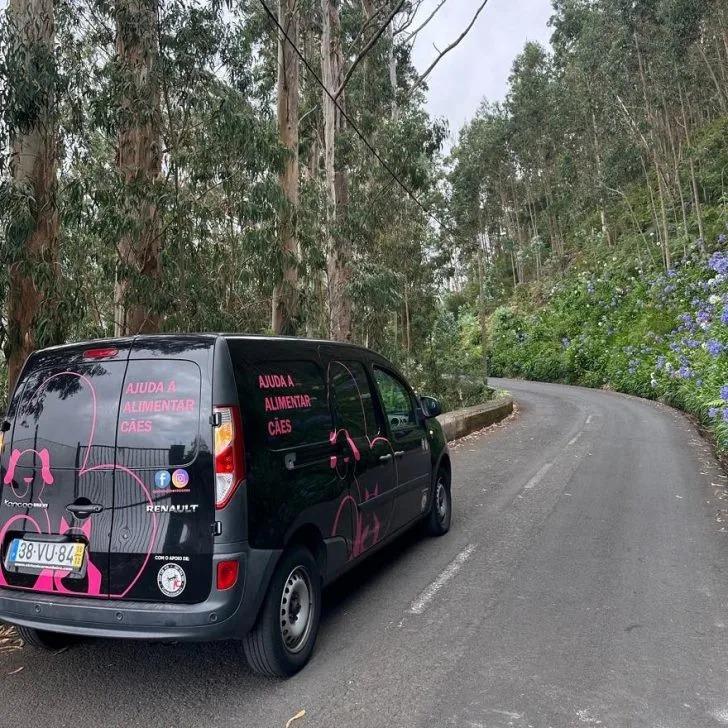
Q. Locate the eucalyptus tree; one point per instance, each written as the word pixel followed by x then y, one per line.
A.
pixel 28 94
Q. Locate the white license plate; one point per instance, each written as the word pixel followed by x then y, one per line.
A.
pixel 45 555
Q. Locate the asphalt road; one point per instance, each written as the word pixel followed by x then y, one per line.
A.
pixel 584 583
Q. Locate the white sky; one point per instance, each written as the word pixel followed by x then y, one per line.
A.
pixel 479 67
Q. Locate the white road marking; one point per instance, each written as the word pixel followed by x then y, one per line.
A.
pixel 419 605
pixel 537 478
pixel 575 438
pixel 588 420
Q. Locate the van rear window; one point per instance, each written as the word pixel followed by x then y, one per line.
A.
pixel 71 412
pixel 95 415
pixel 159 414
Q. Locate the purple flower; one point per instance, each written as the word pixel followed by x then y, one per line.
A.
pixel 722 239
pixel 713 412
pixel 692 343
pixel 719 263
pixel 703 316
pixel 684 373
pixel 565 342
pixel 714 347
pixel 724 392
pixel 725 415
pixel 671 273
pixel 724 316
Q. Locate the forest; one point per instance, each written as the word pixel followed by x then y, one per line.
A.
pixel 195 165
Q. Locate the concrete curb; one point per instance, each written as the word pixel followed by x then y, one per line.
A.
pixel 464 421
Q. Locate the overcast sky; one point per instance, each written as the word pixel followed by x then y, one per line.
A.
pixel 479 67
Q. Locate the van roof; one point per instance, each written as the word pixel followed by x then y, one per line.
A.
pixel 207 335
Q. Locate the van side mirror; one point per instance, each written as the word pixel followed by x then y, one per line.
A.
pixel 431 406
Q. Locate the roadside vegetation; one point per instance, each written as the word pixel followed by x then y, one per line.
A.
pixel 596 201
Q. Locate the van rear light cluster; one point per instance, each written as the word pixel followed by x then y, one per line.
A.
pixel 229 456
pixel 227 574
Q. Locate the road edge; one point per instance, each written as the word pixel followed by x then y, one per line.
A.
pixel 462 422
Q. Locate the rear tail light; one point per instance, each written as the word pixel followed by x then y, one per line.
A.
pixel 229 456
pixel 106 353
pixel 227 574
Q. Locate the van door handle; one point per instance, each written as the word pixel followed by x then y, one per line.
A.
pixel 398 453
pixel 84 509
pixel 384 458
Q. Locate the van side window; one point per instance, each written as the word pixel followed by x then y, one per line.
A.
pixel 353 401
pixel 291 407
pixel 396 400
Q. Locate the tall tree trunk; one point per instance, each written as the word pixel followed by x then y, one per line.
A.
pixel 337 179
pixel 600 181
pixel 693 179
pixel 139 167
pixel 285 293
pixel 33 240
pixel 392 63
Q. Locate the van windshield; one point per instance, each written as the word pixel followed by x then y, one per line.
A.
pixel 94 414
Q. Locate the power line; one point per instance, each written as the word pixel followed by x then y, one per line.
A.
pixel 367 143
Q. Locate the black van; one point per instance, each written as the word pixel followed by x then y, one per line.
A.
pixel 204 487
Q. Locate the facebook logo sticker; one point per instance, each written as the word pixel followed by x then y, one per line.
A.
pixel 162 479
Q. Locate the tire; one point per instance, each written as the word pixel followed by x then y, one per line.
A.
pixel 438 519
pixel 281 643
pixel 42 640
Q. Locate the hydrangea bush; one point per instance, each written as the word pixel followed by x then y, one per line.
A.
pixel 657 335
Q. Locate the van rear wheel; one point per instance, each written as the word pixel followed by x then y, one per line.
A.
pixel 43 640
pixel 283 638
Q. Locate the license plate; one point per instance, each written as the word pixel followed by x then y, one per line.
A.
pixel 45 555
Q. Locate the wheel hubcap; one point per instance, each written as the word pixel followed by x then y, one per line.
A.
pixel 441 499
pixel 296 609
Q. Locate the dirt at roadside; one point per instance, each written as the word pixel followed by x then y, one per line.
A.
pixel 9 640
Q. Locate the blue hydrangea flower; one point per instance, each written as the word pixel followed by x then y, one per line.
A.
pixel 714 347
pixel 724 316
pixel 684 372
pixel 719 263
pixel 713 412
pixel 725 415
pixel 724 392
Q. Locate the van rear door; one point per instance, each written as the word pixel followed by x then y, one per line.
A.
pixel 57 470
pixel 164 509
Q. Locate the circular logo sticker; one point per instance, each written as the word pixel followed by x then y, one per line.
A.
pixel 171 580
pixel 161 480
pixel 180 478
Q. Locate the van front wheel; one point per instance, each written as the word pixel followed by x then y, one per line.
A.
pixel 438 519
pixel 283 638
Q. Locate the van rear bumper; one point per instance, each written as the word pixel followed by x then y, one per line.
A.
pixel 224 615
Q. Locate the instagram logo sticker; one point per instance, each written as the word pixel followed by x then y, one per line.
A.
pixel 180 478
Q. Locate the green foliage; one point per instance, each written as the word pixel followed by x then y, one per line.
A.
pixel 655 335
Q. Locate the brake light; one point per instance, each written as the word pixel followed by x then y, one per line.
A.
pixel 107 353
pixel 227 574
pixel 229 456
